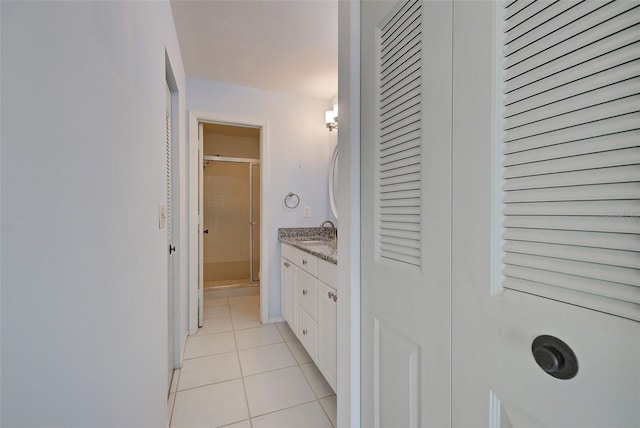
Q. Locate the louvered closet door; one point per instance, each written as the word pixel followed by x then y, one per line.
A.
pixel 562 148
pixel 406 140
pixel 169 222
pixel 572 153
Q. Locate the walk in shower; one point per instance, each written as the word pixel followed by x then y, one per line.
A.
pixel 231 221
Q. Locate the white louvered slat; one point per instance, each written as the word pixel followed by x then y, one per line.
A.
pixel 168 181
pixel 629 224
pixel 572 208
pixel 402 179
pixel 571 152
pixel 603 159
pixel 569 252
pixel 576 193
pixel 600 143
pixel 604 129
pixel 621 241
pixel 399 160
pixel 619 174
pixel 574 283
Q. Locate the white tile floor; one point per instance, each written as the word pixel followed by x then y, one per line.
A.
pixel 239 373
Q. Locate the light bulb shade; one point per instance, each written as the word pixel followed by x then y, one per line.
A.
pixel 329 117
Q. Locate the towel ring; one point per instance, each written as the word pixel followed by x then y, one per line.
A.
pixel 287 200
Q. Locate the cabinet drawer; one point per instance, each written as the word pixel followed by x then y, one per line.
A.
pixel 308 332
pixel 307 293
pixel 289 252
pixel 328 273
pixel 308 262
pixel 327 333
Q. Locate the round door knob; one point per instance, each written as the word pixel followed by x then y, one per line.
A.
pixel 555 357
pixel 548 358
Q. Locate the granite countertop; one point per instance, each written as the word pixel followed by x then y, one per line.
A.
pixel 313 240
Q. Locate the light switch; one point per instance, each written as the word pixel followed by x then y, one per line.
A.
pixel 307 212
pixel 162 216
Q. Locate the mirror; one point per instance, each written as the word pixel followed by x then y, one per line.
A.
pixel 333 182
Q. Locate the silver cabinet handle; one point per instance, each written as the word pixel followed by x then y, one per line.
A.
pixel 304 292
pixel 286 264
pixel 330 294
pixel 335 297
pixel 304 332
pixel 304 262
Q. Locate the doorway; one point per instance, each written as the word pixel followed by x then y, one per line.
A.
pixel 225 154
pixel 231 206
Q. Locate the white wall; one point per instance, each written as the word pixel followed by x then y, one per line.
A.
pixel 299 154
pixel 84 300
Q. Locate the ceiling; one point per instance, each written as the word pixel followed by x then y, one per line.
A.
pixel 285 46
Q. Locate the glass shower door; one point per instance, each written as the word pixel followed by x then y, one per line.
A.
pixel 226 215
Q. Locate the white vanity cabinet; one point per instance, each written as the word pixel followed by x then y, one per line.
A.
pixel 309 305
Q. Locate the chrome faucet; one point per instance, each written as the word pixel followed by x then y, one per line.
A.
pixel 333 234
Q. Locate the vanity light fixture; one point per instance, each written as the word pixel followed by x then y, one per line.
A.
pixel 331 118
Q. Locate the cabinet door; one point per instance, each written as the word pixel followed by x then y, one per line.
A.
pixel 288 292
pixel 307 286
pixel 308 333
pixel 327 333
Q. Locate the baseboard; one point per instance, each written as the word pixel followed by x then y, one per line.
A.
pixel 276 319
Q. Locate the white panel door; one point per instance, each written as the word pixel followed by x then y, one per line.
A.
pixel 406 198
pixel 171 248
pixel 495 378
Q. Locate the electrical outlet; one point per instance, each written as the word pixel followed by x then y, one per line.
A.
pixel 307 212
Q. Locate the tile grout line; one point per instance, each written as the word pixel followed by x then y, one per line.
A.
pixel 244 386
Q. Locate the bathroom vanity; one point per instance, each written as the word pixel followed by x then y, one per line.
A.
pixel 309 293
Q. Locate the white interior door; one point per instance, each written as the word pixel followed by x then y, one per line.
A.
pixel 169 184
pixel 537 249
pixel 406 201
pixel 200 224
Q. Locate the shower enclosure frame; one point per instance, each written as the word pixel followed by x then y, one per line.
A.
pixel 252 222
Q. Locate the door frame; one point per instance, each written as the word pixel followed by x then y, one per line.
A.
pixel 348 377
pixel 195 118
